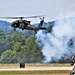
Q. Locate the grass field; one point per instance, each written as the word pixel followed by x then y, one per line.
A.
pixel 36 72
pixel 34 65
pixel 44 72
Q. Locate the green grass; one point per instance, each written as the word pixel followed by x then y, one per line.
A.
pixel 10 65
pixel 44 72
pixel 34 65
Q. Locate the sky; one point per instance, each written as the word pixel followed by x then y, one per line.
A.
pixel 52 9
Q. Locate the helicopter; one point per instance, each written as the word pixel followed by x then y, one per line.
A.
pixel 25 24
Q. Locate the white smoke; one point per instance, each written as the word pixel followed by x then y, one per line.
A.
pixel 55 44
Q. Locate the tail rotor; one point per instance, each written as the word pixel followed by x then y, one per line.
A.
pixel 41 22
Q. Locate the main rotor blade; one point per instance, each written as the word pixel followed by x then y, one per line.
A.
pixel 10 17
pixel 35 16
pixel 22 17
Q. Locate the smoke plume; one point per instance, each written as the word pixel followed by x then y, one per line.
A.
pixel 61 40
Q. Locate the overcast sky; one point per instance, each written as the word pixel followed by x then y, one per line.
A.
pixel 53 9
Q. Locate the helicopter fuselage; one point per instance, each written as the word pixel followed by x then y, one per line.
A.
pixel 24 24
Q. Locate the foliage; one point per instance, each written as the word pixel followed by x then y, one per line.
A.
pixel 31 52
pixel 2 37
pixel 17 48
pixel 36 72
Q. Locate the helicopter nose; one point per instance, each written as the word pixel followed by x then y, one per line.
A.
pixel 13 25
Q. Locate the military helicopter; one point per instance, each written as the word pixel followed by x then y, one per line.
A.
pixel 24 24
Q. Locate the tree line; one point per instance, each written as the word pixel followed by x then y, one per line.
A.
pixel 17 47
